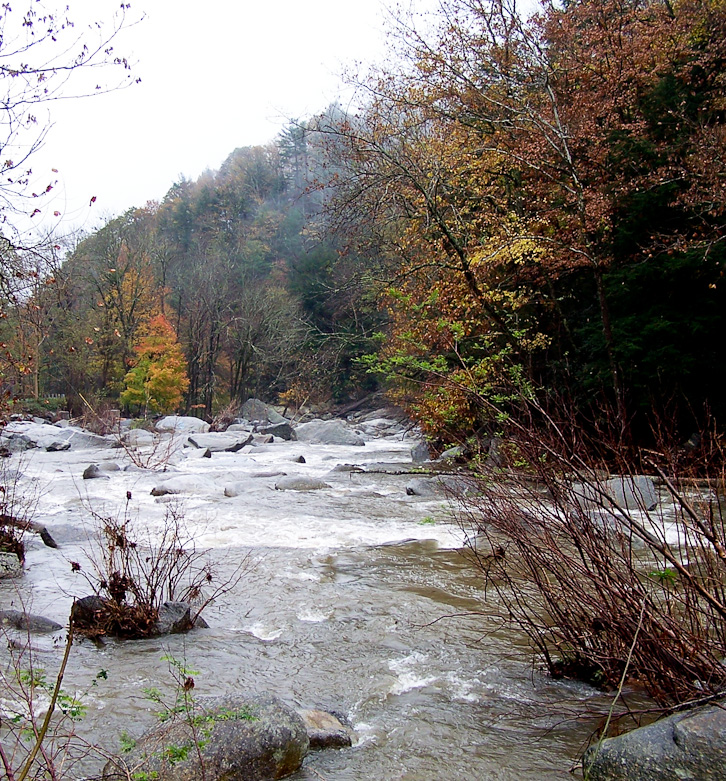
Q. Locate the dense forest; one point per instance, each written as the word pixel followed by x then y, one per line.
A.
pixel 516 206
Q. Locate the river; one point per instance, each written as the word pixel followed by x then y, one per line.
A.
pixel 356 597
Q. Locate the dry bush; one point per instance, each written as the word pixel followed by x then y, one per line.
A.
pixel 601 589
pixel 17 507
pixel 133 573
pixel 225 417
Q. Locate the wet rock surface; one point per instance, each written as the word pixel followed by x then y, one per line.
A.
pixel 326 730
pixel 300 484
pixel 28 622
pixel 687 746
pixel 254 737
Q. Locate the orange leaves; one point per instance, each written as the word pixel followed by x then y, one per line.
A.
pixel 159 380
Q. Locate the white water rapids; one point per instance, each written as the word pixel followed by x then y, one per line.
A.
pixel 357 598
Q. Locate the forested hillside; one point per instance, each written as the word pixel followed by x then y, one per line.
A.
pixel 515 206
pixel 232 268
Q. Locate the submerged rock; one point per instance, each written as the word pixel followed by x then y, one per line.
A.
pixel 94 472
pixel 27 622
pixel 687 746
pixel 293 483
pixel 188 484
pixel 254 737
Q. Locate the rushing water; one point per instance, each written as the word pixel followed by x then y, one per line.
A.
pixel 348 602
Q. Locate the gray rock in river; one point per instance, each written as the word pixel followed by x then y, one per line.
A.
pixel 688 746
pixel 23 435
pixel 137 437
pixel 282 430
pixel 179 424
pixel 254 737
pixel 94 472
pixel 636 492
pixel 255 411
pixel 174 618
pixel 325 730
pixel 328 432
pixel 420 453
pixel 218 443
pixel 27 622
pixel 293 483
pixel 443 484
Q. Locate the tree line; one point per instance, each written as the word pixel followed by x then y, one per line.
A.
pixel 517 204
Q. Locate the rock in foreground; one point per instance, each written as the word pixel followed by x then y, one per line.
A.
pixel 326 730
pixel 684 747
pixel 240 738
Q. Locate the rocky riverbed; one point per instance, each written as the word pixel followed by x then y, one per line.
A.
pixel 356 598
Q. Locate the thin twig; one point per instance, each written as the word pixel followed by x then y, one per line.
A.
pixel 51 707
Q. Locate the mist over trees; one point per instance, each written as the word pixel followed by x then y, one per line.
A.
pixel 516 204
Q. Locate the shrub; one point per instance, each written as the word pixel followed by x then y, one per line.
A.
pixel 133 574
pixel 607 588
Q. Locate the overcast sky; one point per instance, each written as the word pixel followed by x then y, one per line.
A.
pixel 215 75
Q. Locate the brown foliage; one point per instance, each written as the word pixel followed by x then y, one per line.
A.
pixel 606 587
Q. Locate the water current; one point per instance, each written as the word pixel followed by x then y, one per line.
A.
pixel 356 598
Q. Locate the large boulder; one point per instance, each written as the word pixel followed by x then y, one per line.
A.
pixel 633 492
pixel 178 424
pixel 688 746
pixel 218 443
pixel 253 737
pixel 255 411
pixel 25 435
pixel 137 437
pixel 328 432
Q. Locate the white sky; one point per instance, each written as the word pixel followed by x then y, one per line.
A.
pixel 216 75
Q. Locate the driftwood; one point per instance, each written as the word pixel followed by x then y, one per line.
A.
pixel 33 526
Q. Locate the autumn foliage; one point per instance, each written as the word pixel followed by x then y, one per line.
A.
pixel 549 196
pixel 158 381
